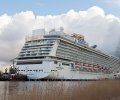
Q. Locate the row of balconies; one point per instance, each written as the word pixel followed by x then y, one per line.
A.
pixel 85 58
pixel 77 49
pixel 36 45
pixel 33 54
pixel 104 59
pixel 36 49
pixel 85 49
pixel 39 42
pixel 89 56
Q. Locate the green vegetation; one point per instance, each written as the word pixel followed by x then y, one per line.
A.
pixel 98 90
pixel 0 72
pixel 14 77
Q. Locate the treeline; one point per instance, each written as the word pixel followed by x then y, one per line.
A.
pixel 11 75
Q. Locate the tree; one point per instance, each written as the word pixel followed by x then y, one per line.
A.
pixel 0 72
pixel 12 70
pixel 6 70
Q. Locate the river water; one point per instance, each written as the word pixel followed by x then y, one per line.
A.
pixel 16 87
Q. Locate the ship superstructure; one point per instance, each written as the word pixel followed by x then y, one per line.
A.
pixel 57 55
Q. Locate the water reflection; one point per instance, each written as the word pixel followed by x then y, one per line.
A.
pixel 15 87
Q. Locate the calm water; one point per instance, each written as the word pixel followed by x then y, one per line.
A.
pixel 12 87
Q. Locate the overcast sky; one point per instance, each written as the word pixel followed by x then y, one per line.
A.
pixel 98 21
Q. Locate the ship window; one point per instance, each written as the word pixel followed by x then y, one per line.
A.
pixel 55 62
pixel 40 62
pixel 65 64
pixel 22 70
pixel 53 70
pixel 27 54
pixel 72 65
pixel 41 70
pixel 28 51
pixel 20 63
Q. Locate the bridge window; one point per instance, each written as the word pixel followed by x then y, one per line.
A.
pixel 24 63
pixel 55 62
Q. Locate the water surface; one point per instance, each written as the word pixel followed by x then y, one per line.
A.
pixel 16 87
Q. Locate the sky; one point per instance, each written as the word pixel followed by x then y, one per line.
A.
pixel 55 7
pixel 98 21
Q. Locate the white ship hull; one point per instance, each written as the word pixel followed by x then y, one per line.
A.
pixel 51 71
pixel 77 76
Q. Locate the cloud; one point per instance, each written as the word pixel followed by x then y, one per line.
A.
pixel 97 27
pixel 12 33
pixel 113 2
pixel 4 20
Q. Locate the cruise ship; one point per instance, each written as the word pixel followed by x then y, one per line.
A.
pixel 59 56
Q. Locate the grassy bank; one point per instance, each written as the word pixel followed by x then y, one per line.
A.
pixel 98 90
